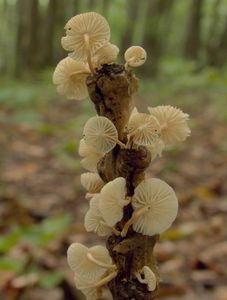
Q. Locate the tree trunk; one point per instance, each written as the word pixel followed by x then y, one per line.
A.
pixel 127 36
pixel 193 35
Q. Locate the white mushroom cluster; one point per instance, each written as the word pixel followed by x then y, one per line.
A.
pixel 92 267
pixel 87 40
pixel 153 206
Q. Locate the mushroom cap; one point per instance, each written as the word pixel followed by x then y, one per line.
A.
pixel 144 128
pixel 92 24
pixel 135 56
pixel 105 55
pixel 112 200
pixel 162 204
pixel 91 182
pixel 85 150
pixel 93 220
pixel 82 266
pixel 100 133
pixel 150 277
pixel 173 121
pixel 69 85
pixel 90 292
pixel 156 148
pixel 90 162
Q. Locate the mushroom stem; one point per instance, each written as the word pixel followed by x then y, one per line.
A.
pixel 100 263
pixel 88 51
pixel 128 62
pixel 90 195
pixel 114 230
pixel 135 216
pixel 79 73
pixel 106 279
pixel 122 145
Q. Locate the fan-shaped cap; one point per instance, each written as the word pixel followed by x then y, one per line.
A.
pixel 85 150
pixel 105 55
pixel 144 128
pixel 79 262
pixel 150 278
pixel 90 162
pixel 135 56
pixel 91 24
pixel 156 148
pixel 173 121
pixel 161 205
pixel 70 79
pixel 90 293
pixel 91 182
pixel 93 219
pixel 112 200
pixel 100 133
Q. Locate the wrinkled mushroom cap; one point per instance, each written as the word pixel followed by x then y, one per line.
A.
pixel 82 266
pixel 93 220
pixel 91 182
pixel 144 128
pixel 135 56
pixel 105 55
pixel 100 133
pixel 92 24
pixel 69 85
pixel 162 204
pixel 156 148
pixel 112 200
pixel 173 123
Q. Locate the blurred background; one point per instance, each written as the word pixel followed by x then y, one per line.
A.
pixel 42 204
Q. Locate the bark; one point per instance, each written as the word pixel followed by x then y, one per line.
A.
pixel 111 90
pixel 193 35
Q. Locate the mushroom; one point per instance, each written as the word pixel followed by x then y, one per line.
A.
pixel 100 133
pixel 94 221
pixel 91 182
pixel 135 56
pixel 91 156
pixel 89 263
pixel 156 148
pixel 155 208
pixel 105 55
pixel 70 79
pixel 149 278
pixel 112 200
pixel 173 121
pixel 85 34
pixel 143 129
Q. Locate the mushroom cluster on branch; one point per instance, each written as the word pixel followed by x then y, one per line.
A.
pixel 123 205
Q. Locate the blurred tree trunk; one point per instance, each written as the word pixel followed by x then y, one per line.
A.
pixel 212 37
pixel 27 35
pixel 193 32
pixel 92 5
pixel 222 49
pixel 132 13
pixel 153 37
pixel 105 7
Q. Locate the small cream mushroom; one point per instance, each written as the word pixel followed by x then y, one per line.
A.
pixel 94 221
pixel 173 121
pixel 70 79
pixel 89 263
pixel 93 289
pixel 100 133
pixel 143 129
pixel 85 34
pixel 91 182
pixel 156 148
pixel 149 278
pixel 105 55
pixel 155 207
pixel 112 200
pixel 135 56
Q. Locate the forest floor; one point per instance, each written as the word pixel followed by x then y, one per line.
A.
pixel 42 204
